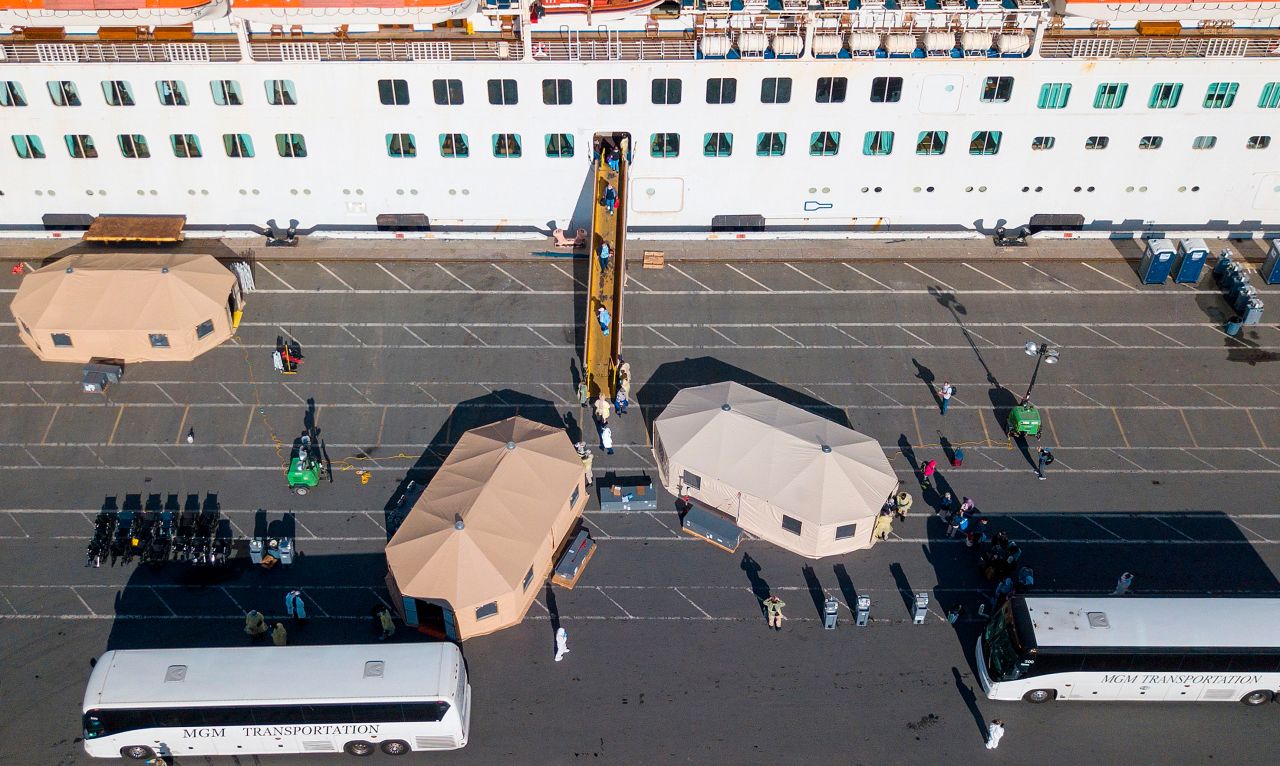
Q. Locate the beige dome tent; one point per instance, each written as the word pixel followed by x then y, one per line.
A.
pixel 135 308
pixel 477 546
pixel 785 474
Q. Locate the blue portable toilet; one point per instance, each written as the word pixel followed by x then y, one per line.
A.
pixel 1271 266
pixel 1192 254
pixel 1157 261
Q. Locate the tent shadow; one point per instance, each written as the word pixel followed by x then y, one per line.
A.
pixel 662 386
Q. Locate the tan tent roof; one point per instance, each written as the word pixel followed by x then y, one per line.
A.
pixel 799 463
pixel 110 303
pixel 502 500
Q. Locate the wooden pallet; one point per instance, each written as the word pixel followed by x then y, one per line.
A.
pixel 112 229
pixel 654 259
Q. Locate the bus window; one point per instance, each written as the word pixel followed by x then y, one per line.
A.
pixel 326 713
pixel 1113 663
pixel 376 714
pixel 1205 663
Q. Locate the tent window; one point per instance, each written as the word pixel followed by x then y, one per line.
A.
pixel 488 610
pixel 528 578
pixel 691 480
pixel 61 340
pixel 845 531
pixel 573 499
pixel 204 329
pixel 659 450
pixel 159 340
pixel 791 525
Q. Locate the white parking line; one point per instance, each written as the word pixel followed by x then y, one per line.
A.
pixel 929 276
pixel 748 276
pixel 864 275
pixel 277 278
pixel 512 277
pixel 793 340
pixel 631 278
pixel 1047 274
pixel 722 335
pixel 540 335
pixel 808 277
pixel 393 276
pixel 1108 276
pixel 414 334
pixel 456 277
pixel 1175 340
pixel 477 337
pixel 988 276
pixel 1100 335
pixel 682 595
pixel 678 270
pixel 917 337
pixel 572 278
pixel 335 276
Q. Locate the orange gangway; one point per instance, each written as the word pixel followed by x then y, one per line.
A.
pixel 605 278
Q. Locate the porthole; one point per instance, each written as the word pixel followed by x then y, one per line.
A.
pixel 413 192
pixel 982 188
pixel 1182 188
pixel 359 192
pixel 465 192
pixel 1197 188
pixel 306 192
pixel 826 190
pixel 1026 189
pixel 813 190
pixel 39 193
pixel 968 188
pixel 453 192
pixel 102 192
pixel 89 192
pixel 1077 188
pixel 294 192
pixel 204 192
pixel 878 190
pixel 51 192
pixel 256 192
pixel 244 192
pixel 346 191
pixel 1128 188
pixel 153 193
pixel 191 192
pixel 1039 189
pixel 929 189
pixel 916 189
pixel 865 190
pixel 1140 188
pixel 400 192
pixel 142 192
pixel 1090 189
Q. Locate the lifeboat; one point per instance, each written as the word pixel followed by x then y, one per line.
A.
pixel 108 13
pixel 1169 10
pixel 331 12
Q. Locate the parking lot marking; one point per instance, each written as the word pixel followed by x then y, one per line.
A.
pixel 917 337
pixel 1119 425
pixel 1190 433
pixel 1149 395
pixel 890 398
pixel 1126 285
pixel 1190 454
pixel 1050 276
pixel 393 276
pixel 681 272
pixel 660 335
pixel 224 449
pixel 1042 335
pixel 701 611
pixel 335 276
pixel 37 393
pixel 477 337
pixel 229 393
pixel 247 425
pixel 362 395
pixel 1130 462
pixel 1256 431
pixel 915 419
pixel 456 277
pixel 414 334
pixel 1163 523
pixel 864 275
pixel 808 277
pixel 49 427
pixel 510 276
pixel 929 276
pixel 722 335
pixel 82 601
pixel 277 277
pixel 33 458
pixel 1100 335
pixel 575 280
pixel 1090 398
pixel 628 615
pixel 289 388
pixel 988 276
pixel 1104 529
pixel 748 276
pixel 119 416
pixel 1053 434
pixel 629 277
pixel 1170 337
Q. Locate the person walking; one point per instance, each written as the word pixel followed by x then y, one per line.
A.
pixel 883 526
pixel 944 395
pixel 773 607
pixel 295 607
pixel 602 316
pixel 386 625
pixel 620 401
pixel 624 370
pixel 255 625
pixel 604 256
pixel 930 468
pixel 601 409
pixel 587 459
pixel 995 730
pixel 279 636
pixel 902 505
pixel 610 198
pixel 1044 458
pixel 606 439
pixel 562 643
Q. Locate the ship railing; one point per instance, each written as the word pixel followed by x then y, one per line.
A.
pixel 577 48
pixel 1159 47
pixel 388 50
pixel 71 52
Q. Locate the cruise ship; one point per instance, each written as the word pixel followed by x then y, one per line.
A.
pixel 787 118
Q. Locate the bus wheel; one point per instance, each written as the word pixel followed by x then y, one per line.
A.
pixel 358 748
pixel 1259 697
pixel 1040 695
pixel 137 752
pixel 395 747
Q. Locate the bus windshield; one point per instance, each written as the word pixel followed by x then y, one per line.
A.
pixel 1001 648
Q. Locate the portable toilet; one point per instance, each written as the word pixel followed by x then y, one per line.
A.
pixel 1157 261
pixel 1192 253
pixel 1271 266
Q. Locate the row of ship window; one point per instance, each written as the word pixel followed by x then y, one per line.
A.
pixel 613 92
pixel 825 143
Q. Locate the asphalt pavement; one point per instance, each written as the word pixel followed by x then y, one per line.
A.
pixel 1167 434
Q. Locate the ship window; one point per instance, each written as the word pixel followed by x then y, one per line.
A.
pixel 28 147
pixel 185 145
pixel 64 93
pixel 997 90
pixel 393 92
pixel 503 92
pixel 1054 95
pixel 81 146
pixel 291 145
pixel 717 144
pixel 1204 142
pixel 506 145
pixel 1221 95
pixel 454 145
pixel 447 92
pixel 1270 98
pixel 237 144
pixel 824 143
pixel 117 93
pixel 886 90
pixel 11 94
pixel 931 142
pixel 133 147
pixel 1096 142
pixel 226 92
pixel 775 90
pixel 985 142
pixel 1165 95
pixel 666 91
pixel 559 145
pixel 722 90
pixel 204 329
pixel 1151 142
pixel 172 92
pixel 1258 142
pixel 1110 95
pixel 611 92
pixel 831 90
pixel 557 92
pixel 664 145
pixel 158 340
pixel 1042 143
pixel 401 145
pixel 771 144
pixel 791 524
pixel 61 339
pixel 281 92
pixel 877 142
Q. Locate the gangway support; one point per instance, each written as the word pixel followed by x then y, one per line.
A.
pixel 603 345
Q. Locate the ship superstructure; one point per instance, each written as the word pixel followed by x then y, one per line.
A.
pixel 786 116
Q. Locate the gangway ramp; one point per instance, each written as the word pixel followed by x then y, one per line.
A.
pixel 605 278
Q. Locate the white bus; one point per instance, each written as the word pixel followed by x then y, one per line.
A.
pixel 1039 649
pixel 288 699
